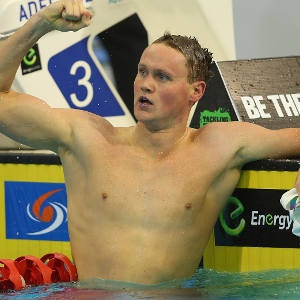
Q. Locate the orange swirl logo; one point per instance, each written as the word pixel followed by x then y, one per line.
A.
pixel 54 213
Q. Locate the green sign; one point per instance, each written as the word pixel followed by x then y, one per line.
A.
pixel 219 115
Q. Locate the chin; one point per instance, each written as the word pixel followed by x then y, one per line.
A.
pixel 141 115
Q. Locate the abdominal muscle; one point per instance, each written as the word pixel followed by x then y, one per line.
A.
pixel 116 250
pixel 144 236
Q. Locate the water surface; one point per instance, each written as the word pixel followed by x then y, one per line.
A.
pixel 205 284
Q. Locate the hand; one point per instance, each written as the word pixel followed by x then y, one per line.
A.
pixel 66 15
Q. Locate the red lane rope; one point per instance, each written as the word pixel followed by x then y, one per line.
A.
pixel 30 271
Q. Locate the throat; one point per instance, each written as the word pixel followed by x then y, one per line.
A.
pixel 164 145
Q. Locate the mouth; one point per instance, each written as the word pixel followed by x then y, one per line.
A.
pixel 145 101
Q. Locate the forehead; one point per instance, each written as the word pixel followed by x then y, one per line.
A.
pixel 160 56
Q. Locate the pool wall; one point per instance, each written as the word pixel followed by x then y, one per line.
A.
pixel 262 243
pixel 23 179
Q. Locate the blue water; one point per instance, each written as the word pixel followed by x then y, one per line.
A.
pixel 206 284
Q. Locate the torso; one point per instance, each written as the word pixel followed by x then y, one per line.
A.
pixel 139 218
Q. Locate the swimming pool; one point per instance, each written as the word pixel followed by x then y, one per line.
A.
pixel 205 284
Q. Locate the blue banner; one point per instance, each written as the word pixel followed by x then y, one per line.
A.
pixel 82 83
pixel 36 211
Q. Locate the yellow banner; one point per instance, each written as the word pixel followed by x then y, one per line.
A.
pixel 13 248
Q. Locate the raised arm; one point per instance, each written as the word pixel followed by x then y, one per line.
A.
pixel 24 117
pixel 64 15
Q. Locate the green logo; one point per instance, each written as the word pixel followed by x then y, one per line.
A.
pixel 233 216
pixel 220 115
pixel 30 58
pixel 269 219
pixel 31 62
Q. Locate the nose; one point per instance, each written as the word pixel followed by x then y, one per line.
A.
pixel 145 89
pixel 147 84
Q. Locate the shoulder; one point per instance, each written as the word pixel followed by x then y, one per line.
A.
pixel 84 119
pixel 85 125
pixel 240 141
pixel 220 139
pixel 233 125
pixel 251 141
pixel 235 129
pixel 221 129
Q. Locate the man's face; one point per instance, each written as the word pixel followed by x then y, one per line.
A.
pixel 161 89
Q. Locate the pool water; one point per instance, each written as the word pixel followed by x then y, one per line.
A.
pixel 205 284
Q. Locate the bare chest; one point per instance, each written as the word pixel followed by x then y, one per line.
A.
pixel 125 185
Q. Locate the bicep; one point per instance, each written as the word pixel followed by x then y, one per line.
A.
pixel 31 121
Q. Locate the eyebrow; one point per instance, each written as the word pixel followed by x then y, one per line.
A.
pixel 157 70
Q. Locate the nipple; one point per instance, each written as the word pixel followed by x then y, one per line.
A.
pixel 188 205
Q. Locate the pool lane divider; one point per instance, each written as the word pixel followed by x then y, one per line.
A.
pixel 29 270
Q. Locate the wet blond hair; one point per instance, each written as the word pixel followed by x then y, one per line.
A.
pixel 199 60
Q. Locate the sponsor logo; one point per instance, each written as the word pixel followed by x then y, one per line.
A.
pixel 283 222
pixel 36 211
pixel 219 115
pixel 233 222
pixel 236 210
pixel 31 62
pixel 54 213
pixel 283 105
pixel 29 8
pixel 255 217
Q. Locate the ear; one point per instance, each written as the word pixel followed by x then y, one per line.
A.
pixel 198 89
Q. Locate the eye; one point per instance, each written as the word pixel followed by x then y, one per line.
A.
pixel 142 71
pixel 162 76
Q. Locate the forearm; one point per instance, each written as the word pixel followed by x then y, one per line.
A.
pixel 63 15
pixel 14 48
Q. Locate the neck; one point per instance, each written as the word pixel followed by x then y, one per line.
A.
pixel 159 142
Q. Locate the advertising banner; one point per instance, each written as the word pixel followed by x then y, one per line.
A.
pixel 36 211
pixel 33 210
pixel 261 91
pixel 254 232
pixel 255 218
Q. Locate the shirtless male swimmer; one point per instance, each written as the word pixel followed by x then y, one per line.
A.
pixel 142 200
